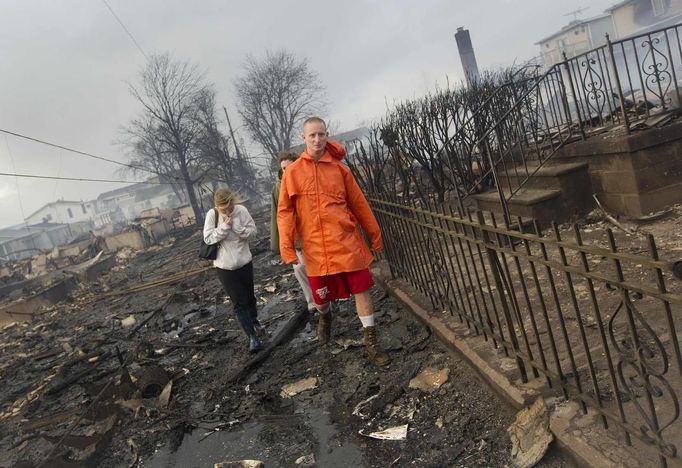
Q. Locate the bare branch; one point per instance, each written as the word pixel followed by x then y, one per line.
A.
pixel 275 95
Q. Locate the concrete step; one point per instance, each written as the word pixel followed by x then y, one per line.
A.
pixel 540 204
pixel 571 176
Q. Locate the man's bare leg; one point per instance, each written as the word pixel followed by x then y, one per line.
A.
pixel 363 304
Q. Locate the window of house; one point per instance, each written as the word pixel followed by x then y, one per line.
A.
pixel 83 208
pixel 659 7
pixel 68 210
pixel 48 217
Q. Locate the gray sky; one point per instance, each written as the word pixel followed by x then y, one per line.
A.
pixel 64 65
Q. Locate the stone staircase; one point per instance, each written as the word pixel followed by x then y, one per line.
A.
pixel 556 191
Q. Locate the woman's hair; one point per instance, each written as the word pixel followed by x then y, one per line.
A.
pixel 286 155
pixel 225 196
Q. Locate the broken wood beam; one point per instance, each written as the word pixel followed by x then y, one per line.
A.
pixel 283 335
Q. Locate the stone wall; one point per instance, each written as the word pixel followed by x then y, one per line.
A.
pixel 633 175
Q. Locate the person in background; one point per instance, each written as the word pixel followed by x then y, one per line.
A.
pixel 284 159
pixel 234 264
pixel 321 204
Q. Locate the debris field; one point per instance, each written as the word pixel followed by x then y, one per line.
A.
pixel 146 366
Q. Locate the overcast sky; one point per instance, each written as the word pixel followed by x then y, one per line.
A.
pixel 64 65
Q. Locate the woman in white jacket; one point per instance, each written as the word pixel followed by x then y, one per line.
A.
pixel 234 262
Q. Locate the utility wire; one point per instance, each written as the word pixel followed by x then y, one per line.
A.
pixel 79 179
pixel 126 30
pixel 90 155
pixel 82 153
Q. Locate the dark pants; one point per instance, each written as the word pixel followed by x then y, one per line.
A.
pixel 239 286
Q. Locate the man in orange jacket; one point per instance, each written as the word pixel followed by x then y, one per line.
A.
pixel 322 204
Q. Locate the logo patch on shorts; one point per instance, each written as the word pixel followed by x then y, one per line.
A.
pixel 322 292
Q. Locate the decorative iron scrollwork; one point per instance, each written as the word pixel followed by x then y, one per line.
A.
pixel 655 65
pixel 642 365
pixel 593 85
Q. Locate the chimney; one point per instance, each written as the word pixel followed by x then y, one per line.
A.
pixel 466 54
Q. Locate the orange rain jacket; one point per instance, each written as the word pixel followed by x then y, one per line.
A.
pixel 322 204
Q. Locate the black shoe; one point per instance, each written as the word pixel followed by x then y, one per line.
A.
pixel 254 344
pixel 258 328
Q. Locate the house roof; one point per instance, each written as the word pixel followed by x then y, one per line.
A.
pixel 132 188
pixel 120 191
pixel 618 5
pixel 357 134
pixel 572 25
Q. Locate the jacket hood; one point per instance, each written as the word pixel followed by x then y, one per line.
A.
pixel 336 149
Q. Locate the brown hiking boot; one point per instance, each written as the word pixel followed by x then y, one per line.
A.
pixel 324 328
pixel 377 355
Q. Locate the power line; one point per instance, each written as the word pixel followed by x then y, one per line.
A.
pixel 126 30
pixel 83 153
pixel 79 179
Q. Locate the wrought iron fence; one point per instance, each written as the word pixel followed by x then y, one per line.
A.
pixel 627 80
pixel 593 319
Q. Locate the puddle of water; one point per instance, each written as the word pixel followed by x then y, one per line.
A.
pixel 331 451
pixel 239 444
pixel 243 443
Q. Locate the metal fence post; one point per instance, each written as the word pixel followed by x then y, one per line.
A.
pixel 575 99
pixel 621 99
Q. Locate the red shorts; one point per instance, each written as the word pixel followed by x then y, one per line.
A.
pixel 340 285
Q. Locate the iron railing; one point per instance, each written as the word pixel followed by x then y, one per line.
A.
pixel 628 80
pixel 592 319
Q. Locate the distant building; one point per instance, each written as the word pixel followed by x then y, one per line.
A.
pixel 21 241
pixel 58 222
pixel 620 21
pixel 126 203
pixel 63 212
pixel 349 138
pixel 633 17
pixel 575 38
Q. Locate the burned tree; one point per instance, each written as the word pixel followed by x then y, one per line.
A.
pixel 275 95
pixel 441 134
pixel 221 158
pixel 148 155
pixel 169 126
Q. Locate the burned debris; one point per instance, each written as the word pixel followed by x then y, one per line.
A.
pixel 143 364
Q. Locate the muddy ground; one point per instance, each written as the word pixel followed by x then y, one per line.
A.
pixel 78 386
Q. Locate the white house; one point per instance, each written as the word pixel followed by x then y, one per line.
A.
pixel 126 203
pixel 63 212
pixel 632 17
pixel 620 21
pixel 575 38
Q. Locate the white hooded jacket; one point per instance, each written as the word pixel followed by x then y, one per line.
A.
pixel 233 248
